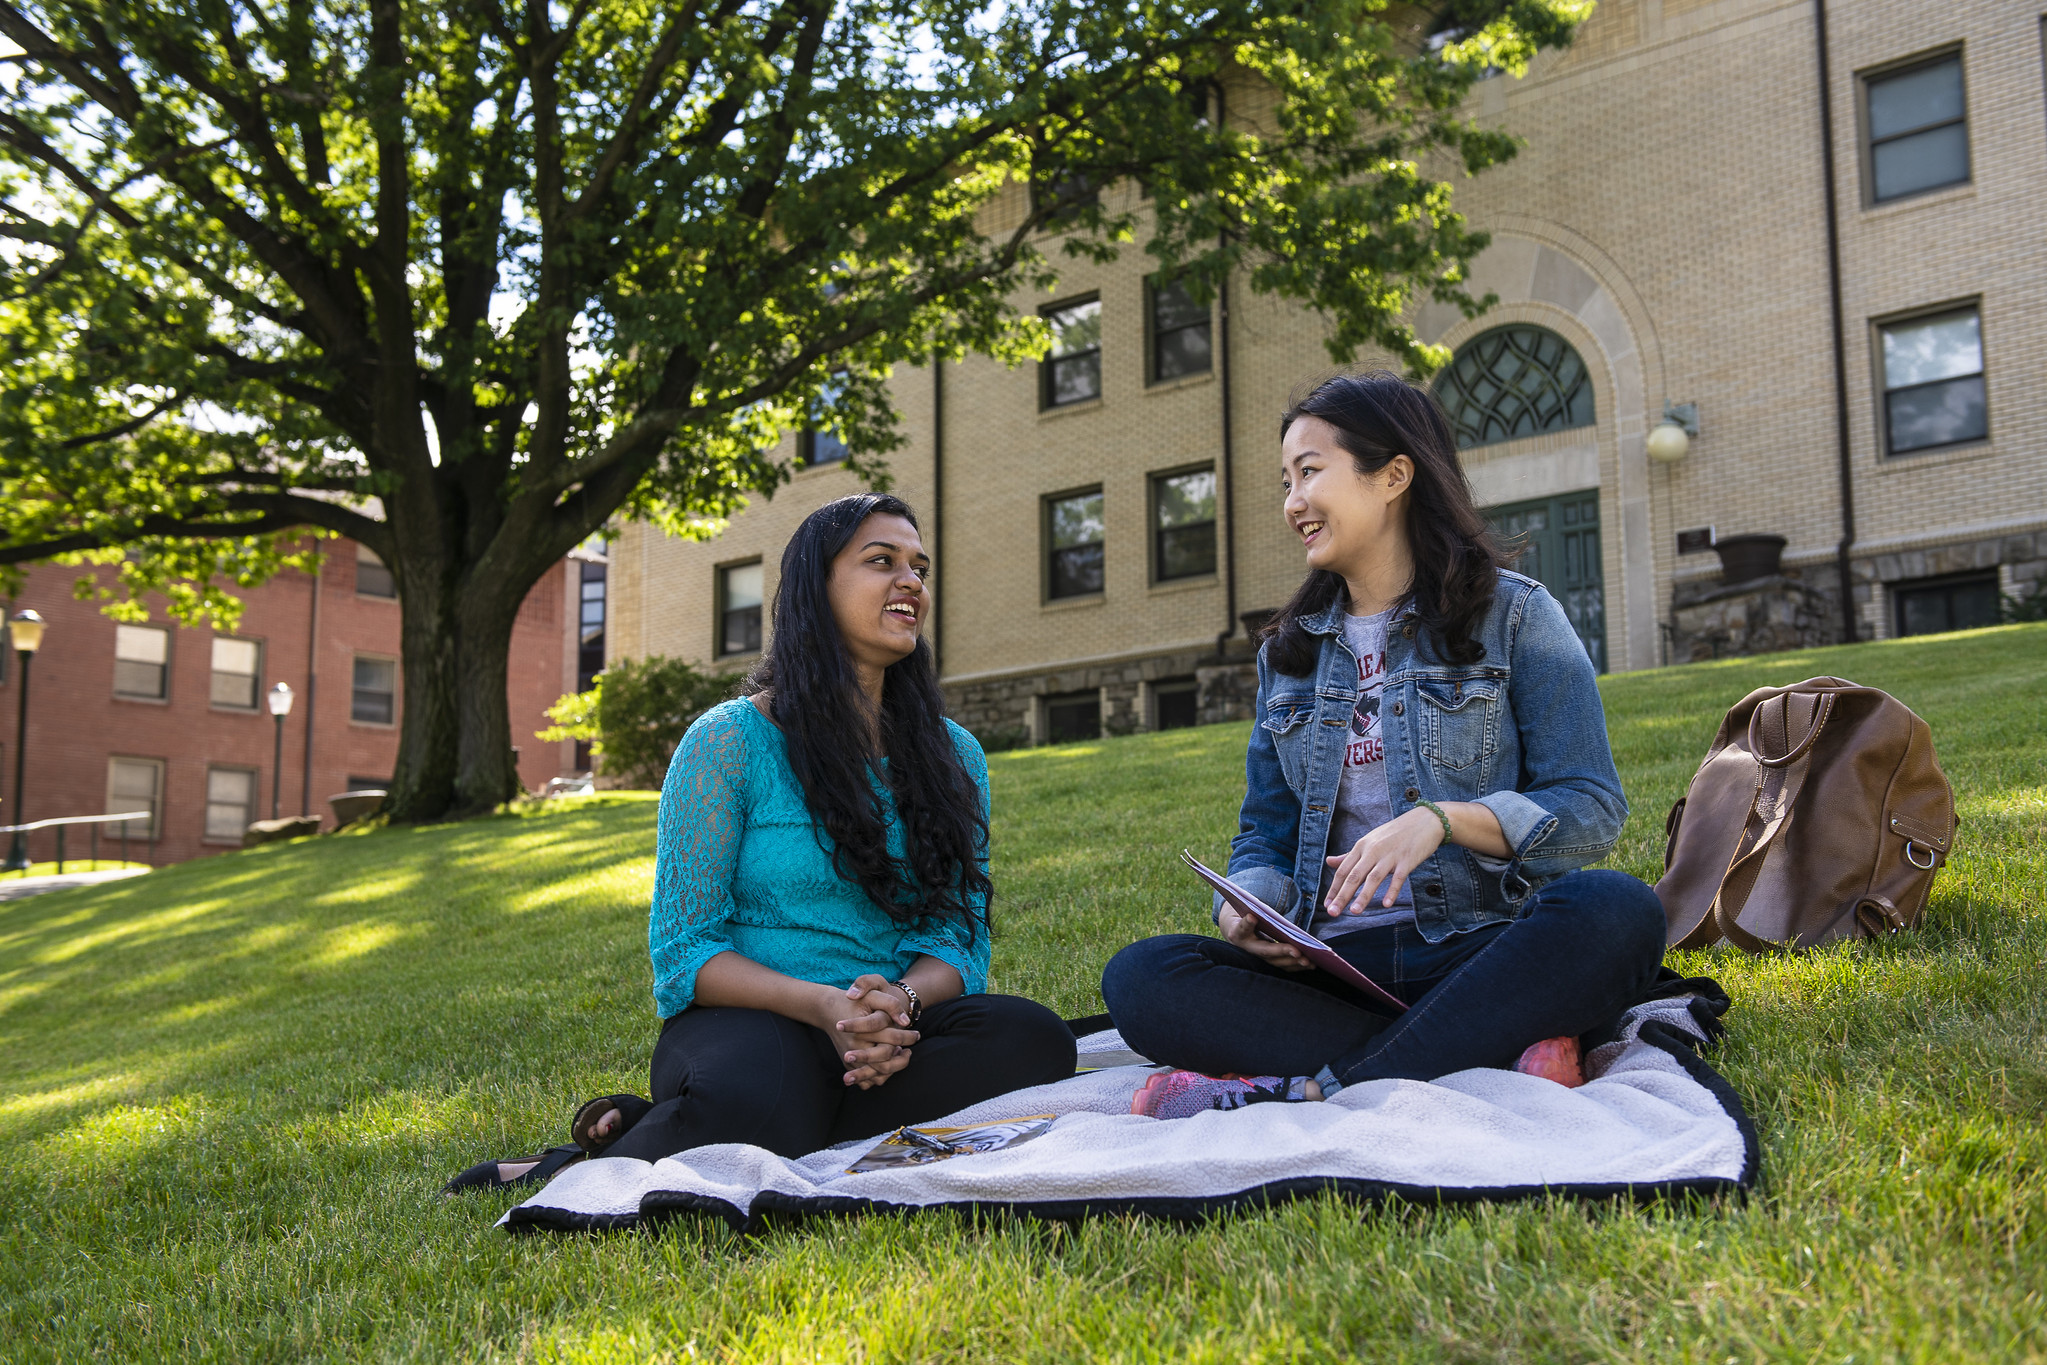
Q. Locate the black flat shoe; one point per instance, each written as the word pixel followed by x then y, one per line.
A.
pixel 631 1109
pixel 485 1175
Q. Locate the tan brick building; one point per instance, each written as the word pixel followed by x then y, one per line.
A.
pixel 1662 241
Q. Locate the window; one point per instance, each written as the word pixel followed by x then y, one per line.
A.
pixel 1072 371
pixel 1558 540
pixel 1918 129
pixel 817 448
pixel 375 699
pixel 1512 382
pixel 372 576
pixel 237 664
pixel 1931 606
pixel 1183 525
pixel 142 656
pixel 1075 715
pixel 1176 704
pixel 1179 333
pixel 1073 536
pixel 230 804
pixel 1061 193
pixel 1933 382
pixel 134 784
pixel 739 609
pixel 590 625
pixel 820 444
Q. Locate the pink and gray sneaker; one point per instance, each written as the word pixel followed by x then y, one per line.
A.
pixel 1554 1059
pixel 1182 1094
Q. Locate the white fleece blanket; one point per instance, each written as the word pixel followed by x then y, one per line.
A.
pixel 1654 1121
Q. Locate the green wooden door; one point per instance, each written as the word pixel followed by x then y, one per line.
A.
pixel 1559 543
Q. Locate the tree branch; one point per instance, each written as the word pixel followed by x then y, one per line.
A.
pixel 166 527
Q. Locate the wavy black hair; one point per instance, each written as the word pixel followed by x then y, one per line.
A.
pixel 1457 557
pixel 815 697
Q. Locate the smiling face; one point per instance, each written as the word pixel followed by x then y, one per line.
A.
pixel 879 591
pixel 1345 519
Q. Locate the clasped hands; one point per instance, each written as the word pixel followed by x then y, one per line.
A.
pixel 1387 855
pixel 869 1023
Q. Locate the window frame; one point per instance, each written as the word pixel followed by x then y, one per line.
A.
pixel 163 694
pixel 1183 685
pixel 255 776
pixel 156 812
pixel 1046 596
pixel 806 450
pixel 720 584
pixel 1867 143
pixel 255 679
pixel 1153 483
pixel 1047 366
pixel 806 436
pixel 1152 335
pixel 377 561
pixel 1947 583
pixel 1586 382
pixel 1881 381
pixel 1086 696
pixel 397 688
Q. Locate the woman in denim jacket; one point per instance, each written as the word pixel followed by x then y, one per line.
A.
pixel 1428 775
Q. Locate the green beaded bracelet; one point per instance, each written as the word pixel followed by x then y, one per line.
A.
pixel 1438 812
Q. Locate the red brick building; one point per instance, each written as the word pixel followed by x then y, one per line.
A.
pixel 174 720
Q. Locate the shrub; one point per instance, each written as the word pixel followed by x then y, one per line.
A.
pixel 637 713
pixel 1003 737
pixel 2031 607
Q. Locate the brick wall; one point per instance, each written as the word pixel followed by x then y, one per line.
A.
pixel 77 723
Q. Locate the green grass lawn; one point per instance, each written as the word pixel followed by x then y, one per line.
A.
pixel 230 1090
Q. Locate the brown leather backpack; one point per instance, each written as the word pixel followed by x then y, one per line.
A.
pixel 1819 813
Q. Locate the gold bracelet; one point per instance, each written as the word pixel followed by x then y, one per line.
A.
pixel 1438 810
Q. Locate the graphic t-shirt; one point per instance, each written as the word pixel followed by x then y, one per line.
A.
pixel 1362 802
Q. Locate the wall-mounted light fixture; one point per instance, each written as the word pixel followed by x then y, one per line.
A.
pixel 1673 435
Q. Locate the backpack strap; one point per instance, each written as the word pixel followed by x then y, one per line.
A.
pixel 1781 732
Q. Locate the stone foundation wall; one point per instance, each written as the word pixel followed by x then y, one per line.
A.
pixel 1005 713
pixel 2021 562
pixel 1800 608
pixel 1713 620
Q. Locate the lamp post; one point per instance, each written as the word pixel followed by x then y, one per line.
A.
pixel 280 707
pixel 28 638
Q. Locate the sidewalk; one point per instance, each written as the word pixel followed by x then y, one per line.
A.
pixel 19 888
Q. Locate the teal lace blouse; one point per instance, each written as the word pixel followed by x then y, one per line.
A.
pixel 740 866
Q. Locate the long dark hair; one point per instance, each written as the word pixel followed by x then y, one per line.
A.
pixel 815 697
pixel 1457 557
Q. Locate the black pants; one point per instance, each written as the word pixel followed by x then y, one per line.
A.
pixel 744 1075
pixel 1587 949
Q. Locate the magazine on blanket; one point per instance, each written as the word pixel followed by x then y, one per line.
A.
pixel 1277 926
pixel 922 1146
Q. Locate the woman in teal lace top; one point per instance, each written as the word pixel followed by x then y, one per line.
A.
pixel 819 931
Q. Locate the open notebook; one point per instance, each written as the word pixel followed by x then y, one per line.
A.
pixel 1278 927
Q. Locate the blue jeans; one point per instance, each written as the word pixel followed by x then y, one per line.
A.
pixel 1587 948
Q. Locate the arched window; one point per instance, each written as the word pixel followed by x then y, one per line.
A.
pixel 1514 381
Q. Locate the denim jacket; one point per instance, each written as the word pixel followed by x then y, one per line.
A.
pixel 1521 731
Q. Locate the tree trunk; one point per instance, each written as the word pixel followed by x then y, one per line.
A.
pixel 455 751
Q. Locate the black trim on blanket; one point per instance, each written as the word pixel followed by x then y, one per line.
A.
pixel 773 1209
pixel 1685 1052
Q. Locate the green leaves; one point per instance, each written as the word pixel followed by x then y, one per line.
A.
pixel 637 713
pixel 466 280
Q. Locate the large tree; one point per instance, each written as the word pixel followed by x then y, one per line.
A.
pixel 465 280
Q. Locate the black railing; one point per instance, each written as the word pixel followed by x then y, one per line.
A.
pixel 126 818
